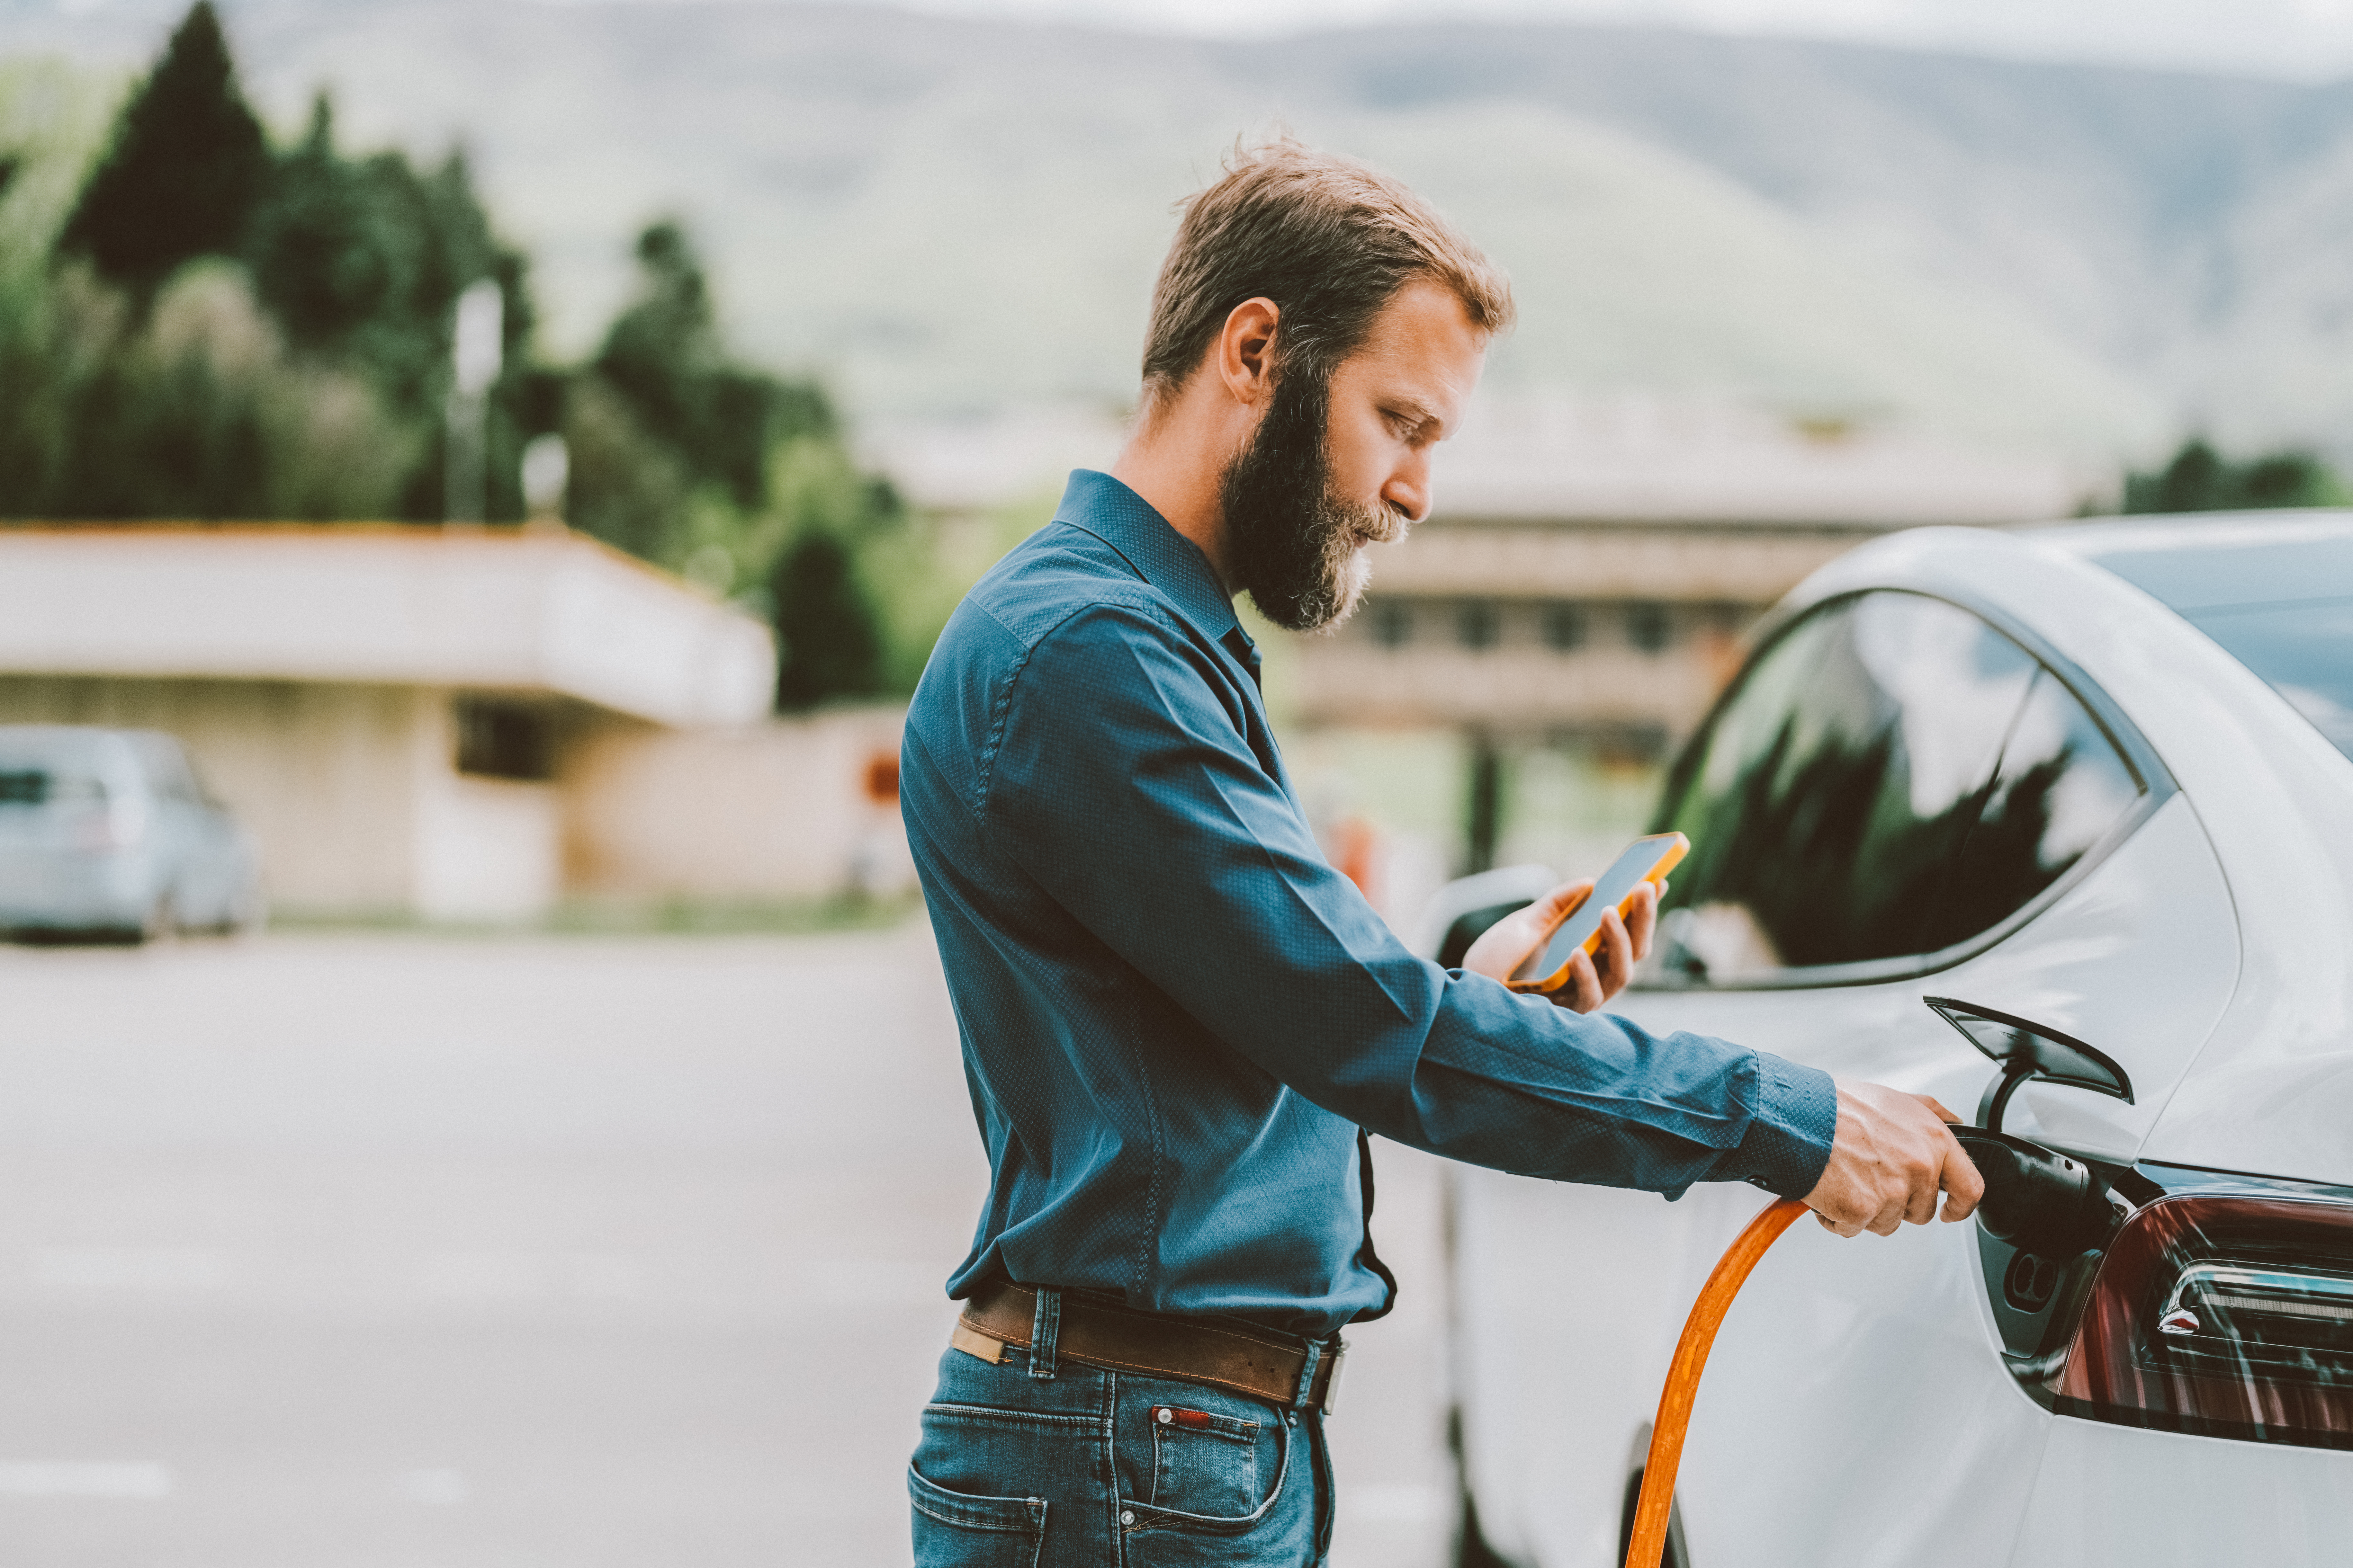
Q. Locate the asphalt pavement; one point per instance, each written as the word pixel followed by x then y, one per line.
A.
pixel 405 1251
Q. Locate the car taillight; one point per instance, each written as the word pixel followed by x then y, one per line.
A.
pixel 2223 1313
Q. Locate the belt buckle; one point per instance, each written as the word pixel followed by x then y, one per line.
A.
pixel 1339 1359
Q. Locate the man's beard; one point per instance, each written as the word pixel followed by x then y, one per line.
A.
pixel 1295 543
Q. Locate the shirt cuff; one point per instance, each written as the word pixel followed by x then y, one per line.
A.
pixel 1788 1144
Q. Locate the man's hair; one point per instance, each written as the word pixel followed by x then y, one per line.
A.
pixel 1328 240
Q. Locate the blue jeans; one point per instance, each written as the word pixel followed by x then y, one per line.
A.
pixel 1090 1468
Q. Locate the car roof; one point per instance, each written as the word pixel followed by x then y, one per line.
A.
pixel 2205 560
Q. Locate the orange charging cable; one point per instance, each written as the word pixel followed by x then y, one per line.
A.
pixel 1650 1538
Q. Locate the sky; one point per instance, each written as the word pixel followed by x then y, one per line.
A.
pixel 2300 39
pixel 2303 40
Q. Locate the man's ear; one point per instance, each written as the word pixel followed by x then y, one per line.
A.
pixel 1245 350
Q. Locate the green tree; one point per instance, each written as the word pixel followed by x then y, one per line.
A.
pixel 829 642
pixel 626 488
pixel 737 477
pixel 2200 479
pixel 356 265
pixel 187 163
pixel 361 261
pixel 665 358
pixel 193 412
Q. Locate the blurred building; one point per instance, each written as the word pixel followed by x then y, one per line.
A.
pixel 1579 595
pixel 1590 569
pixel 440 722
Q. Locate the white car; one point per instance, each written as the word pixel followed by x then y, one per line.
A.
pixel 108 833
pixel 2090 788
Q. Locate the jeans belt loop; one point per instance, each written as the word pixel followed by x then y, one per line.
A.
pixel 1045 1327
pixel 1305 1393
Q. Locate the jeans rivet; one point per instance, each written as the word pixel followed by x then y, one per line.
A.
pixel 1128 1516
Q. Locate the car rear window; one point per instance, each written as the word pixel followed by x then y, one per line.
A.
pixel 2249 585
pixel 2304 651
pixel 38 786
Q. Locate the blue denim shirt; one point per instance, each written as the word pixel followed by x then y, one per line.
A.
pixel 1175 1013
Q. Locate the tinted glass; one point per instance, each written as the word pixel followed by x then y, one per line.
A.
pixel 20 787
pixel 2303 650
pixel 2210 563
pixel 2060 788
pixel 40 766
pixel 1828 802
pixel 2271 590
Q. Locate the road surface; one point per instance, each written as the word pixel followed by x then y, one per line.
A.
pixel 399 1251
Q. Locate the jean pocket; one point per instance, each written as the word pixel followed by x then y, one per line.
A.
pixel 953 1530
pixel 1216 1476
pixel 1204 1463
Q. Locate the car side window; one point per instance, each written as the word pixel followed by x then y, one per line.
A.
pixel 1890 776
pixel 2060 789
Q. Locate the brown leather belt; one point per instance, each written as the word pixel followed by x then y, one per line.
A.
pixel 1223 1354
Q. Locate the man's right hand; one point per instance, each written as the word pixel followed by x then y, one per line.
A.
pixel 1891 1154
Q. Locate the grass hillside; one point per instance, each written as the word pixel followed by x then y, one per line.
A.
pixel 949 216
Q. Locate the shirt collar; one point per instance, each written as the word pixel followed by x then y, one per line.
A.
pixel 1163 557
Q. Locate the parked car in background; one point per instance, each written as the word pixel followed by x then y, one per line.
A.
pixel 107 833
pixel 2087 789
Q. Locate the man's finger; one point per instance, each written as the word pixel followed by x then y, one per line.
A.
pixel 1617 961
pixel 1561 902
pixel 1920 1206
pixel 1642 918
pixel 1540 919
pixel 1583 992
pixel 1510 941
pixel 1963 1185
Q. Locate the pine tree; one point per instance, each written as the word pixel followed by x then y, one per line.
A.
pixel 186 165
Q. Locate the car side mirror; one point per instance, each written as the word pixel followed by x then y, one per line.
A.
pixel 2026 1051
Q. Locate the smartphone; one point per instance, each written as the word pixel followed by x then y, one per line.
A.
pixel 1645 861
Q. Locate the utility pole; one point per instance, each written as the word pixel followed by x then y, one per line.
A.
pixel 474 358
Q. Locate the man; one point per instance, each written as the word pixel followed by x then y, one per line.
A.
pixel 1178 1021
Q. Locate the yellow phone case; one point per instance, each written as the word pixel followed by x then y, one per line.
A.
pixel 1671 854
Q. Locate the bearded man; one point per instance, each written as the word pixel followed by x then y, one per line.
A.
pixel 1179 1022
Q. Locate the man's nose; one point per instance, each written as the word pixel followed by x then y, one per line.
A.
pixel 1408 488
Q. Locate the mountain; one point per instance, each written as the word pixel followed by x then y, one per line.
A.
pixel 954 216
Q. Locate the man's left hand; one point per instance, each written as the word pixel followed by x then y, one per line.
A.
pixel 1593 979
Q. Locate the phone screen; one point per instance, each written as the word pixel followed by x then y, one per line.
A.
pixel 1641 857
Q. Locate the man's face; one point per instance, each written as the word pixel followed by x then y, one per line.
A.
pixel 1344 462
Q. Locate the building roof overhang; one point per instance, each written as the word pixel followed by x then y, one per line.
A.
pixel 488 608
